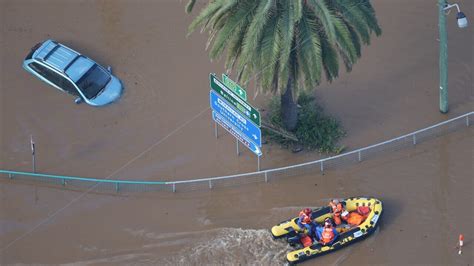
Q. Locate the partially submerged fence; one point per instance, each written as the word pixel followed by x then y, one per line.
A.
pixel 321 165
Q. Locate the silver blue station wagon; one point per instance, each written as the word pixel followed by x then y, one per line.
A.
pixel 71 72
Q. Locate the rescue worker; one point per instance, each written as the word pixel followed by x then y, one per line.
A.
pixel 337 210
pixel 304 219
pixel 327 234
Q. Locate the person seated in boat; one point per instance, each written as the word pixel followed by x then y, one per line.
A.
pixel 356 217
pixel 304 219
pixel 337 210
pixel 327 233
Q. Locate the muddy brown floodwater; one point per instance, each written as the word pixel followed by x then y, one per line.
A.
pixel 427 190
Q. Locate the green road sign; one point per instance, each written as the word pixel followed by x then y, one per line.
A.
pixel 234 87
pixel 233 99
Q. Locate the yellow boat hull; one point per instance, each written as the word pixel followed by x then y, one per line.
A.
pixel 349 236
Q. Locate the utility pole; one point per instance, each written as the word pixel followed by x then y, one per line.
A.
pixel 443 58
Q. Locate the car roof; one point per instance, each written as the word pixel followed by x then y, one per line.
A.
pixel 79 67
pixel 56 55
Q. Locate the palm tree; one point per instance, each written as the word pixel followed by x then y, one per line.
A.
pixel 286 44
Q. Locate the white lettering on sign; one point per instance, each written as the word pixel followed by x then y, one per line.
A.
pixel 228 108
pixel 244 104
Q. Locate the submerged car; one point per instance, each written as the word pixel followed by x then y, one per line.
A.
pixel 71 72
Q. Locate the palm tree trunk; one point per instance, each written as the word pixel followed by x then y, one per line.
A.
pixel 289 109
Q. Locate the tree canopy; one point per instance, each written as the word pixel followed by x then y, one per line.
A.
pixel 281 40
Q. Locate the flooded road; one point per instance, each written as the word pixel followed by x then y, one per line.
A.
pixel 426 192
pixel 161 129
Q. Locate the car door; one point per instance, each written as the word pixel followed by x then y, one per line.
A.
pixel 54 78
pixel 67 85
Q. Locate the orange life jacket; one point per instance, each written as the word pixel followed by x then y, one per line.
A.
pixel 359 216
pixel 363 210
pixel 306 241
pixel 327 236
pixel 305 219
pixel 355 218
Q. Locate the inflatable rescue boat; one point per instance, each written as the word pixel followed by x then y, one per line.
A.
pixel 289 229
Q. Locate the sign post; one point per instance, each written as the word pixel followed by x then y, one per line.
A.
pixel 234 132
pixel 231 111
pixel 237 146
pixel 215 129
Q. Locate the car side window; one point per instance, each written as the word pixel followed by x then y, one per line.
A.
pixel 45 72
pixel 54 77
pixel 66 85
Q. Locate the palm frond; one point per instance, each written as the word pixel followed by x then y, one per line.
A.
pixel 326 16
pixel 205 15
pixel 275 41
pixel 286 26
pixel 190 5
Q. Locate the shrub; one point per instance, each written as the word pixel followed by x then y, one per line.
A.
pixel 314 129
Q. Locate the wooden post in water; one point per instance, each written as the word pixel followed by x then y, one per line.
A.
pixel 32 144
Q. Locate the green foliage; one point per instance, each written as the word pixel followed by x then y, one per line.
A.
pixel 289 45
pixel 315 130
pixel 275 40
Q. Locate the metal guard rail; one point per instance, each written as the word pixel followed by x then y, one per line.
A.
pixel 210 179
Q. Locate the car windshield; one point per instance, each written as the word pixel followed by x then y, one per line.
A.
pixel 93 81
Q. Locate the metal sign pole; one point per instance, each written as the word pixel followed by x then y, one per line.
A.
pixel 215 129
pixel 443 58
pixel 32 144
pixel 237 146
pixel 258 164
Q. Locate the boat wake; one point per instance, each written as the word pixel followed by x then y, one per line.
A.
pixel 230 246
pixel 222 246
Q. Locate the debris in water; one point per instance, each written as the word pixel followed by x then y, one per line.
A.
pixel 297 148
pixel 461 243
